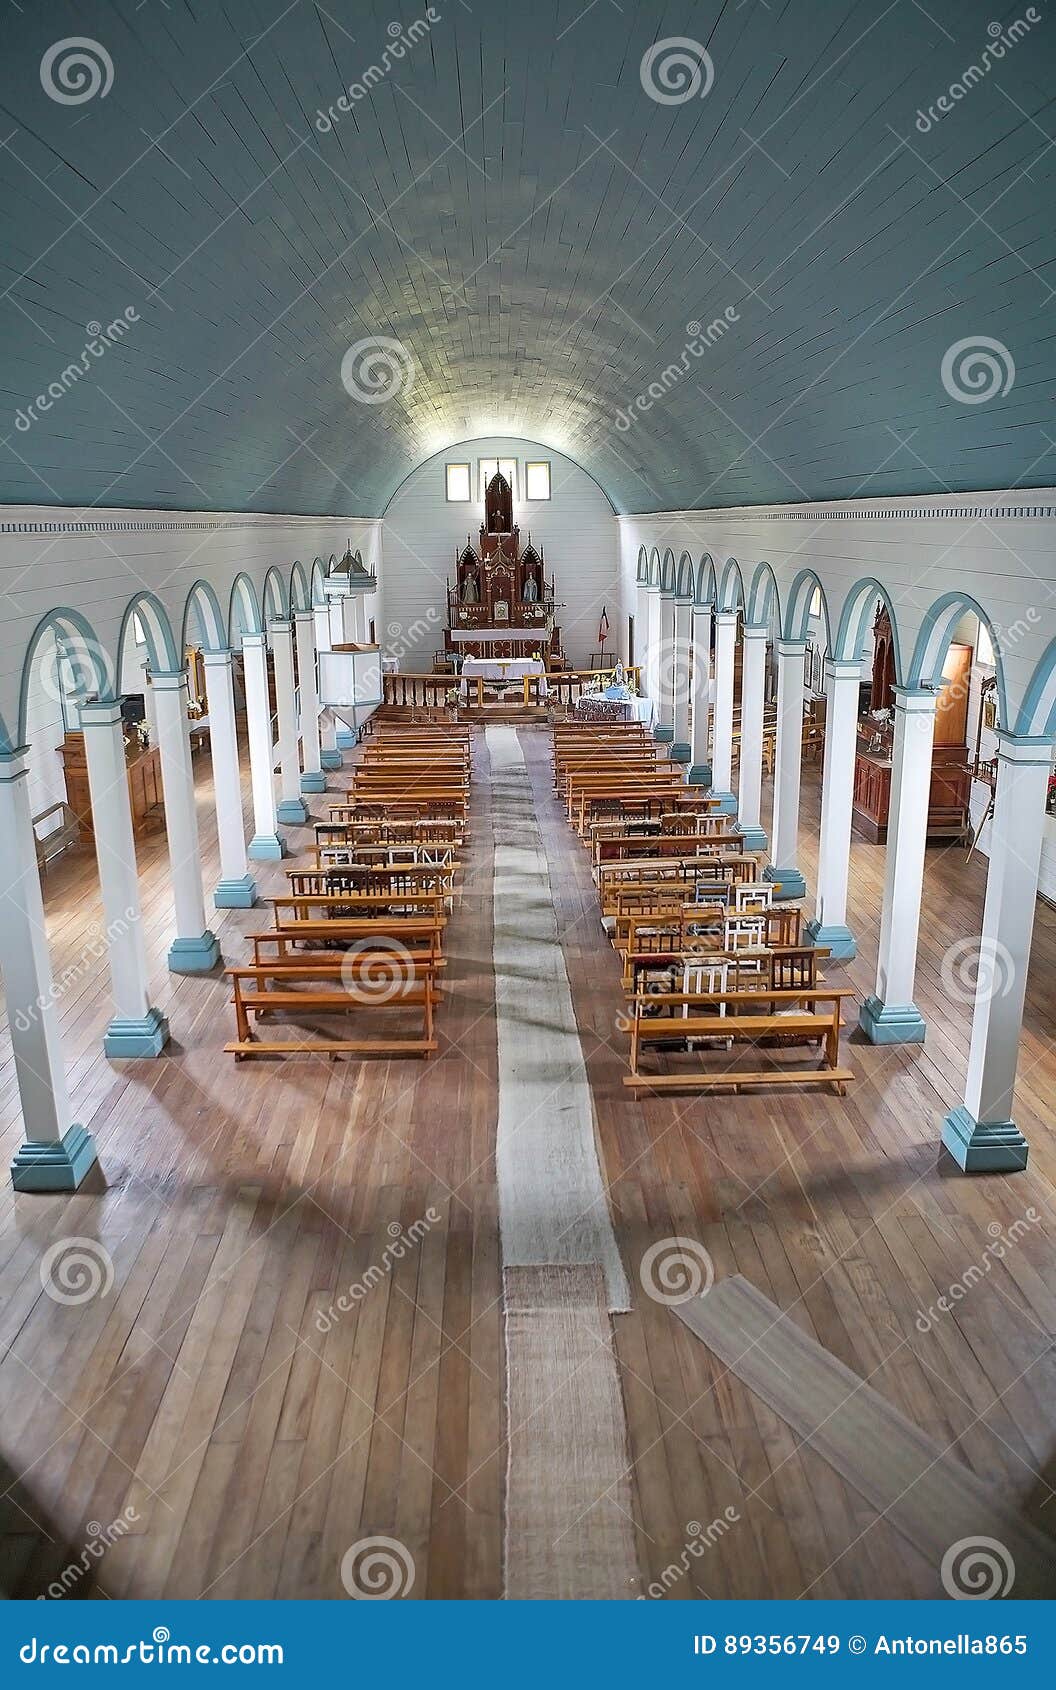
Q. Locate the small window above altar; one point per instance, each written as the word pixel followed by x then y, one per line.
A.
pixel 537 480
pixel 458 484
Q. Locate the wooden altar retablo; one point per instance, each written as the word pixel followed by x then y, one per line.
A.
pixel 501 604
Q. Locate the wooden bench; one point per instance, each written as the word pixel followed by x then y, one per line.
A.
pixel 344 990
pixel 363 936
pixel 773 968
pixel 700 1016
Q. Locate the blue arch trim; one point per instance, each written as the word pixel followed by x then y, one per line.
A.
pixel 300 592
pixel 684 577
pixel 275 597
pixel 318 597
pixel 763 595
pixel 163 656
pixel 654 568
pixel 243 611
pixel 731 579
pixel 854 623
pixel 940 621
pixel 667 571
pixel 69 626
pixel 641 574
pixel 210 616
pixel 1034 719
pixel 797 607
pixel 705 589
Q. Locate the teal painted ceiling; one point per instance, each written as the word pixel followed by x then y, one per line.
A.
pixel 519 210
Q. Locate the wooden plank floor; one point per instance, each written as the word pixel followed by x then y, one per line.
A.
pixel 249 1433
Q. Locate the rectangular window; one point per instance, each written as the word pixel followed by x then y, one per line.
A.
pixel 458 484
pixel 537 481
pixel 489 466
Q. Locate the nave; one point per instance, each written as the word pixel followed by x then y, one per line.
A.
pixel 250 1435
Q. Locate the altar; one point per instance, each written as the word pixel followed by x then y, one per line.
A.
pixel 492 670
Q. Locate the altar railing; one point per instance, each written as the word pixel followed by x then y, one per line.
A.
pixel 564 687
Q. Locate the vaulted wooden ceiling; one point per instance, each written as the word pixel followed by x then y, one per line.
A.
pixel 507 201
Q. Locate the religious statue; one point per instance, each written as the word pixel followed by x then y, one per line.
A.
pixel 531 590
pixel 470 589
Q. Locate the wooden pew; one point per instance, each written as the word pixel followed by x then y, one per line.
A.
pixel 330 987
pixel 369 938
pixel 700 1016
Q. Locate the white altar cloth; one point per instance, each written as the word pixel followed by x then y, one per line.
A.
pixel 492 635
pixel 503 669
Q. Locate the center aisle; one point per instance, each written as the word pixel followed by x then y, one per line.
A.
pixel 569 1524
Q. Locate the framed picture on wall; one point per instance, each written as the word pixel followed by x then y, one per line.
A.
pixel 502 610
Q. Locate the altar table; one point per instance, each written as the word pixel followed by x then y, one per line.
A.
pixel 492 669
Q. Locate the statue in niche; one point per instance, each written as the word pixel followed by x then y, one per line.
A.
pixel 470 588
pixel 531 590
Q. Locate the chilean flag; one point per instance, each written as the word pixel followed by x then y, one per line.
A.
pixel 603 626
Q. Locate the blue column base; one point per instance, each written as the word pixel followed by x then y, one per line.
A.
pixel 331 759
pixel 291 811
pixel 346 740
pixel 194 956
pixel 789 882
pixel 753 838
pixel 984 1147
pixel 266 847
pixel 236 894
pixel 891 1024
pixel 127 1036
pixel 58 1166
pixel 663 736
pixel 700 774
pixel 727 803
pixel 313 781
pixel 681 751
pixel 840 941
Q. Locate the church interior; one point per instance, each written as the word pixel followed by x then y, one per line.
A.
pixel 528 801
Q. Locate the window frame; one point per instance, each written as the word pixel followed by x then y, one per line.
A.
pixel 539 463
pixel 454 500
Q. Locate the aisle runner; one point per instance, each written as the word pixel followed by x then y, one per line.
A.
pixel 569 1525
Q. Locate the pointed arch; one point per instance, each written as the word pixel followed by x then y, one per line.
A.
pixel 933 642
pixel 849 643
pixel 94 670
pixel 210 618
pixel 318 576
pixel 163 656
pixel 300 592
pixel 641 574
pixel 798 608
pixel 1037 714
pixel 243 614
pixel 730 594
pixel 705 593
pixel 764 598
pixel 667 571
pixel 275 597
pixel 654 568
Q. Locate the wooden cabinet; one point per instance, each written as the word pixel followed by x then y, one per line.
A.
pixel 143 770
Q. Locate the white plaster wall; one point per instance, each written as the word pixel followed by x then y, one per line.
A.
pixel 576 529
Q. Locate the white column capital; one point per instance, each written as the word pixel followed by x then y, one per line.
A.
pixel 756 631
pixel 168 680
pixel 1024 750
pixel 792 648
pixel 218 658
pixel 843 669
pixel 703 610
pixel 726 618
pixel 915 701
pixel 14 764
pixel 303 616
pixel 99 712
pixel 254 641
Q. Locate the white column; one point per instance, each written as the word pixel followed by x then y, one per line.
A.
pixel 56 1152
pixel 829 927
pixel 665 729
pixel 783 867
pixel 137 1028
pixel 700 767
pixel 652 650
pixel 681 750
pixel 291 804
pixel 981 1134
pixel 641 632
pixel 313 779
pixel 236 888
pixel 750 772
pixel 890 1016
pixel 722 727
pixel 329 755
pixel 265 843
pixel 194 949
